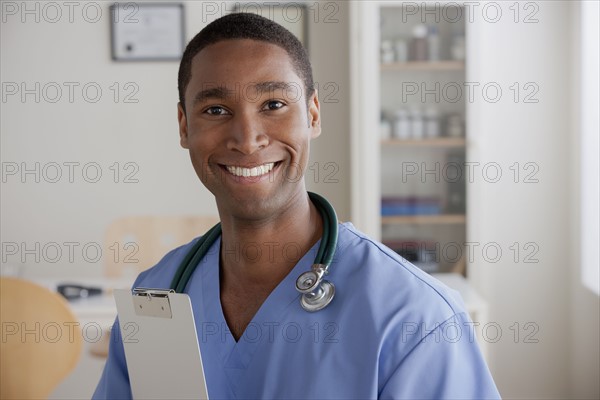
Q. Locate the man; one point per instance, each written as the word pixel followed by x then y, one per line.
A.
pixel 247 113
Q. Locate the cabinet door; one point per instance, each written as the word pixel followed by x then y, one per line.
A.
pixel 422 134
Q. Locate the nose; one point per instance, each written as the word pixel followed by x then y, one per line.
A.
pixel 247 134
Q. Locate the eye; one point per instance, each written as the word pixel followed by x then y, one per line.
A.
pixel 273 105
pixel 216 110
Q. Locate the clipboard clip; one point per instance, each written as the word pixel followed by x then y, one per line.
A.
pixel 152 302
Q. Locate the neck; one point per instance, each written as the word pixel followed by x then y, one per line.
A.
pixel 265 251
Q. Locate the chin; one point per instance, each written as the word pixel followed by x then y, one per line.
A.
pixel 249 208
pixel 251 212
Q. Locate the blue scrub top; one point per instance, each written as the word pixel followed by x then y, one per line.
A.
pixel 392 331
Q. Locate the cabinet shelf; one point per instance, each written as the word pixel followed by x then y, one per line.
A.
pixel 434 142
pixel 449 65
pixel 443 219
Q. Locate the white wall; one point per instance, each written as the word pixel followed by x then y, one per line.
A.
pixel 330 54
pixel 585 304
pixel 144 133
pixel 563 363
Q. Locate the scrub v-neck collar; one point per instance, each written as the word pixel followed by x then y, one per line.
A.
pixel 238 355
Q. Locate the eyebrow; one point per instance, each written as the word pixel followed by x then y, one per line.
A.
pixel 221 92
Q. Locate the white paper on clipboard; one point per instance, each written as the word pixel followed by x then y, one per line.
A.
pixel 161 344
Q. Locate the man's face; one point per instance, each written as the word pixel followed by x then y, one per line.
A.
pixel 247 127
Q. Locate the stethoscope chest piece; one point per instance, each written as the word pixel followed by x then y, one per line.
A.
pixel 320 298
pixel 316 293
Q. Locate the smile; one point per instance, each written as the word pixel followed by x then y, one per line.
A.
pixel 251 172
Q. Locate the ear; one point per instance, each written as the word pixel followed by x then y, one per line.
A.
pixel 314 115
pixel 183 132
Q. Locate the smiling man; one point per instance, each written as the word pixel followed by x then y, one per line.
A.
pixel 247 114
pixel 246 128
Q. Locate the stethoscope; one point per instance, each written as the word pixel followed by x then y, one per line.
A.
pixel 317 293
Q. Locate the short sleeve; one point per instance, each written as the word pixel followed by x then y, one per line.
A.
pixel 445 364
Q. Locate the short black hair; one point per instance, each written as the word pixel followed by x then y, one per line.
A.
pixel 246 26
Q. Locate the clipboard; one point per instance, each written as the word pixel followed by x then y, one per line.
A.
pixel 161 344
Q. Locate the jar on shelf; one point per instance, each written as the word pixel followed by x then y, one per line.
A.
pixel 432 123
pixel 454 125
pixel 401 124
pixel 417 125
pixel 387 52
pixel 401 50
pixel 458 49
pixel 385 127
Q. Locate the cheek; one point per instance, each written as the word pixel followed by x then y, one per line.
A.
pixel 202 142
pixel 198 165
pixel 199 149
pixel 300 154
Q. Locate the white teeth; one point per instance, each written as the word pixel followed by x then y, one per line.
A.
pixel 251 172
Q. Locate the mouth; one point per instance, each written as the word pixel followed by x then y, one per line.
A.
pixel 253 172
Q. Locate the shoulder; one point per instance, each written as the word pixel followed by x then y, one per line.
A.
pixel 161 274
pixel 390 281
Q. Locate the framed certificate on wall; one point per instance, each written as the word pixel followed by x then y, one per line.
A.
pixel 147 31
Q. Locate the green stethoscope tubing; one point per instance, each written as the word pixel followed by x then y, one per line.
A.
pixel 330 230
pixel 193 257
pixel 324 257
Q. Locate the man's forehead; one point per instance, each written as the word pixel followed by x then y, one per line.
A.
pixel 235 69
pixel 242 60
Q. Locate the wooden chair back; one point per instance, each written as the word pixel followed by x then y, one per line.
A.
pixel 138 243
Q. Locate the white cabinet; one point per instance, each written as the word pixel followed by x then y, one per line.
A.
pixel 410 132
pixel 379 163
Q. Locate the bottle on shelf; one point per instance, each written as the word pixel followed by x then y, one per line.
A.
pixel 401 48
pixel 456 190
pixel 432 123
pixel 454 125
pixel 387 52
pixel 385 127
pixel 401 126
pixel 417 126
pixel 458 49
pixel 418 44
pixel 433 43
